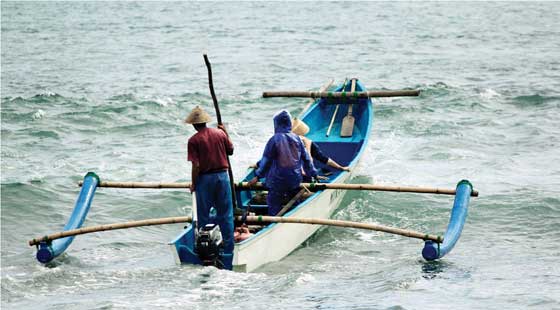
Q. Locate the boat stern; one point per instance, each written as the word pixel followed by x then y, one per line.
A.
pixel 183 249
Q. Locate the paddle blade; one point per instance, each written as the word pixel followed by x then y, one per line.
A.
pixel 347 126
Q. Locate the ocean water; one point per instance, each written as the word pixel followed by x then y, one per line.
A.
pixel 104 87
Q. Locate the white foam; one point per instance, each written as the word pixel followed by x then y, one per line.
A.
pixel 489 93
pixel 305 278
pixel 163 101
pixel 48 94
pixel 38 114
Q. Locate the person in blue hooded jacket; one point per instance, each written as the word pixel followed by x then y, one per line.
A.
pixel 282 162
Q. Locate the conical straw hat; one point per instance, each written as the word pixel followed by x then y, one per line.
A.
pixel 299 127
pixel 198 116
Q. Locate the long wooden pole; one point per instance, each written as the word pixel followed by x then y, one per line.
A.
pixel 348 224
pixel 332 120
pixel 219 117
pixel 361 94
pixel 114 226
pixel 375 187
pixel 250 219
pixel 310 186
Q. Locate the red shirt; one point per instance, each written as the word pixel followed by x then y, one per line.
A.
pixel 209 148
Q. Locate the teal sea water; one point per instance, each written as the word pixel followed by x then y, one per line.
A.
pixel 104 87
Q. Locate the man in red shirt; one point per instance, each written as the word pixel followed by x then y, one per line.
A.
pixel 207 151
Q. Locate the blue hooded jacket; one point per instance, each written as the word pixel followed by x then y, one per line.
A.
pixel 284 156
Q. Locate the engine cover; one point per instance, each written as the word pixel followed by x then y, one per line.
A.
pixel 209 244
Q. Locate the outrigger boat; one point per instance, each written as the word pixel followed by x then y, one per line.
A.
pixel 272 242
pixel 326 119
pixel 340 123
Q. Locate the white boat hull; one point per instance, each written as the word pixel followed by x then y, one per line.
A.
pixel 278 240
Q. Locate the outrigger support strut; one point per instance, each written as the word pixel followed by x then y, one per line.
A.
pixel 432 250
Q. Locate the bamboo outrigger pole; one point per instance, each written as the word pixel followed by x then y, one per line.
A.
pixel 349 224
pixel 312 100
pixel 310 186
pixel 370 187
pixel 249 219
pixel 328 94
pixel 114 226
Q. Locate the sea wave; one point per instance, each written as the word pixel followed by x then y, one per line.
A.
pixel 534 100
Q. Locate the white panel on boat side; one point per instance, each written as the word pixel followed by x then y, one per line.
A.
pixel 282 238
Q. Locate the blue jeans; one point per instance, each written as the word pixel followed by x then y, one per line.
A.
pixel 213 190
pixel 275 198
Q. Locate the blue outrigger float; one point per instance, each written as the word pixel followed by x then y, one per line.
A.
pixel 325 117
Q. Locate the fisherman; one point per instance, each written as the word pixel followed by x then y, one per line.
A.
pixel 282 162
pixel 300 128
pixel 207 151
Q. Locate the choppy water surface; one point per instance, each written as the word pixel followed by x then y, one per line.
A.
pixel 104 86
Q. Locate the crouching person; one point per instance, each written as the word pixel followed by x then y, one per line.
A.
pixel 283 159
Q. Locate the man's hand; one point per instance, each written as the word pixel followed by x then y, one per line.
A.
pixel 223 128
pixel 253 181
pixel 322 178
pixel 191 188
pixel 346 168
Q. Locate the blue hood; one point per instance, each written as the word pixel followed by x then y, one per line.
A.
pixel 284 157
pixel 282 122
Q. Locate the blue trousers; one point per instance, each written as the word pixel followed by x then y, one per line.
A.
pixel 213 190
pixel 275 198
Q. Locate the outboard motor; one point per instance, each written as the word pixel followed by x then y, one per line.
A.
pixel 209 244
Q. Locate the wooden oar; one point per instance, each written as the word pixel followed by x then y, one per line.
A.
pixel 311 101
pixel 363 94
pixel 335 109
pixel 219 117
pixel 347 127
pixel 310 186
pixel 250 219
